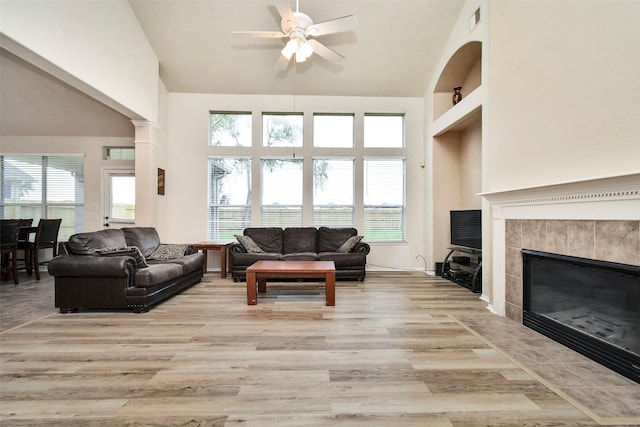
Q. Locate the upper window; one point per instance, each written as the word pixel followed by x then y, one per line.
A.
pixel 43 187
pixel 229 196
pixel 383 131
pixel 230 129
pixel 333 192
pixel 281 192
pixel 119 153
pixel 282 130
pixel 384 199
pixel 333 131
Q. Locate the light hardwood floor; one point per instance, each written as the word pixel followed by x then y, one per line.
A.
pixel 397 350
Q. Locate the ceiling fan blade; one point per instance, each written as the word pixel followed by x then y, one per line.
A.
pixel 285 12
pixel 260 34
pixel 323 51
pixel 282 63
pixel 338 25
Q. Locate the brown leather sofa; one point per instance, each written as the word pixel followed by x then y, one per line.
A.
pixel 121 268
pixel 302 244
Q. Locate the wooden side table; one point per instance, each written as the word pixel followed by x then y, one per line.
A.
pixel 220 245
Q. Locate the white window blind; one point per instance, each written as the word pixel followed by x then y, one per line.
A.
pixel 333 192
pixel 44 187
pixel 384 199
pixel 281 192
pixel 229 196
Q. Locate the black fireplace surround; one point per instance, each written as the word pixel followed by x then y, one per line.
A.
pixel 590 306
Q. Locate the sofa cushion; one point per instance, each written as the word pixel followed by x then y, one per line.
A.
pixel 145 238
pixel 300 239
pixel 349 244
pixel 87 243
pixel 189 263
pixel 246 259
pixel 156 274
pixel 169 251
pixel 349 259
pixel 268 238
pixel 248 244
pixel 300 256
pixel 131 251
pixel 330 239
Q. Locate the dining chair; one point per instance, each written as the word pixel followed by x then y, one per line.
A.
pixel 24 230
pixel 9 249
pixel 46 237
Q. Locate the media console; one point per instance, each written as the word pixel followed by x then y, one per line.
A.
pixel 465 268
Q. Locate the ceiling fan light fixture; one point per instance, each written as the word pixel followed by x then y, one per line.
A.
pixel 290 48
pixel 305 50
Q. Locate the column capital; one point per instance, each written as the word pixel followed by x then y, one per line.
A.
pixel 145 124
pixel 146 132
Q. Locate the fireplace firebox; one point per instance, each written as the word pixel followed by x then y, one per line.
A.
pixel 590 306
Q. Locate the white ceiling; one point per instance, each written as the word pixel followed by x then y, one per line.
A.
pixel 392 52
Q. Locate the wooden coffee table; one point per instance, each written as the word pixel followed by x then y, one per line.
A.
pixel 263 270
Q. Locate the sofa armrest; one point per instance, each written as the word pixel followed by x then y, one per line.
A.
pixel 237 248
pixel 362 247
pixel 92 266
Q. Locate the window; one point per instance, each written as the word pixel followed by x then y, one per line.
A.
pixel 333 190
pixel 44 187
pixel 230 129
pixel 119 153
pixel 384 198
pixel 328 181
pixel 281 192
pixel 333 131
pixel 383 131
pixel 229 196
pixel 282 130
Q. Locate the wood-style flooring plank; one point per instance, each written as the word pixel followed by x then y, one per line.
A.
pixel 398 349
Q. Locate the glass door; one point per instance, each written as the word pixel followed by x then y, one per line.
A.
pixel 120 198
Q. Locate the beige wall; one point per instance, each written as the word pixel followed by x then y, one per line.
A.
pixel 455 158
pixel 188 150
pixel 97 47
pixel 563 80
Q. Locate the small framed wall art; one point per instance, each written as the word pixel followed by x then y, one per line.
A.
pixel 161 181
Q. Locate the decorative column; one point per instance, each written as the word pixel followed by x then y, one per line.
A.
pixel 146 163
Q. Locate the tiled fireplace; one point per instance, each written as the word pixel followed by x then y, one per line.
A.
pixel 596 219
pixel 607 240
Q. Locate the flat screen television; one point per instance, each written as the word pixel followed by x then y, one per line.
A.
pixel 466 228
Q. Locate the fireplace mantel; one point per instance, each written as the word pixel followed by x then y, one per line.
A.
pixel 607 198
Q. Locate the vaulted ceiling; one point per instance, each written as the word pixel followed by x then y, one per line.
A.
pixel 393 51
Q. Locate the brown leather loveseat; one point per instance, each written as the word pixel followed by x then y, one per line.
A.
pixel 121 268
pixel 343 246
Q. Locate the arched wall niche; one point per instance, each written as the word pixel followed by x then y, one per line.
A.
pixel 463 69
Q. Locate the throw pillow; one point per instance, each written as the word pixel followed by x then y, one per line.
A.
pixel 349 244
pixel 169 251
pixel 248 243
pixel 131 251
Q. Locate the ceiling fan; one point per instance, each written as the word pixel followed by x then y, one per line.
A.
pixel 300 31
